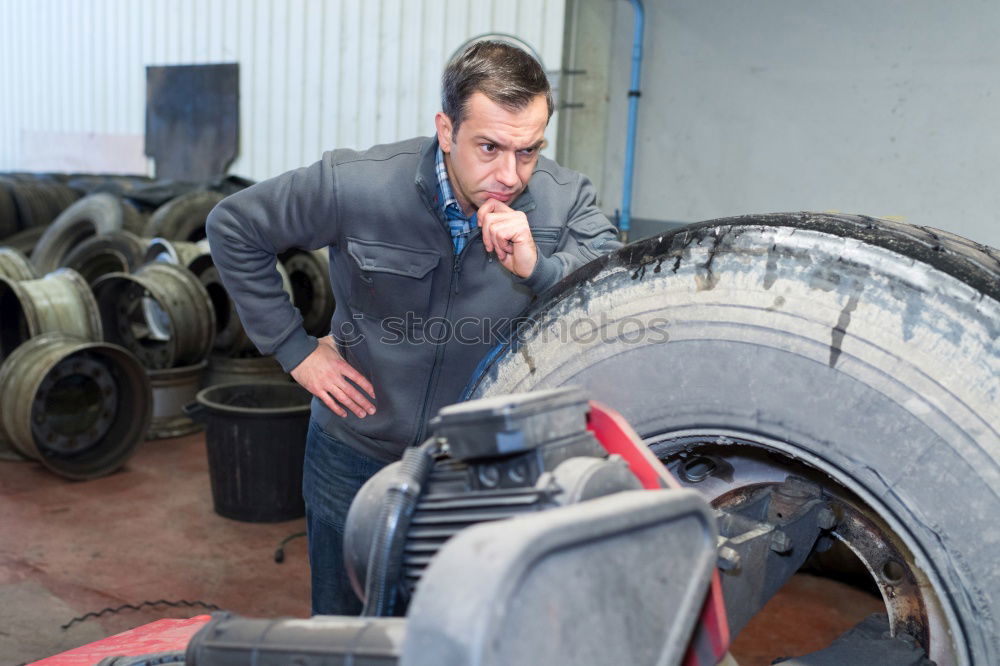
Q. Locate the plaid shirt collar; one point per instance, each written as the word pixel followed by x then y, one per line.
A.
pixel 459 224
pixel 448 199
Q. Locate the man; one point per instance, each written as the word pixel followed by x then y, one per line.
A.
pixel 425 237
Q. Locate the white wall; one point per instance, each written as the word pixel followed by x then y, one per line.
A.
pixel 314 74
pixel 884 107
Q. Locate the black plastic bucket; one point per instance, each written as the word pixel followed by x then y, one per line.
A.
pixel 256 440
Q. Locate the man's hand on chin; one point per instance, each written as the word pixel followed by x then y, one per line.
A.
pixel 506 232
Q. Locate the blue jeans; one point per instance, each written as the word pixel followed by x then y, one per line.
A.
pixel 332 475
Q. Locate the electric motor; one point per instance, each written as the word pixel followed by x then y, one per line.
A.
pixel 490 460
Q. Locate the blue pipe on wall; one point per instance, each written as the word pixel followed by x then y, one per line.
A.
pixel 633 105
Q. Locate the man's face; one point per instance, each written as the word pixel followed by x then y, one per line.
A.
pixel 494 151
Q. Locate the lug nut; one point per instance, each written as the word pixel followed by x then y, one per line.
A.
pixel 826 518
pixel 728 559
pixel 780 543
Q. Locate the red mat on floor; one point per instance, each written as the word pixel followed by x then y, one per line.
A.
pixel 159 636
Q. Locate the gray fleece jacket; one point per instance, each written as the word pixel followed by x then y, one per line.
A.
pixel 411 316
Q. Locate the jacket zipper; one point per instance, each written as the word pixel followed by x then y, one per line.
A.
pixel 456 271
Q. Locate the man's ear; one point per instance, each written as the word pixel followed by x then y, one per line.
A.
pixel 443 124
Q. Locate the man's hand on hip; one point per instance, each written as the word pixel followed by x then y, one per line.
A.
pixel 325 374
pixel 506 232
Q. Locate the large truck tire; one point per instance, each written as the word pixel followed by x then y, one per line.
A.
pixel 865 350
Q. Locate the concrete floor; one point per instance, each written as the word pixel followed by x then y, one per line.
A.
pixel 149 532
pixel 145 533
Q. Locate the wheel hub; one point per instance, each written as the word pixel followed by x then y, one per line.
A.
pixel 730 468
pixel 75 406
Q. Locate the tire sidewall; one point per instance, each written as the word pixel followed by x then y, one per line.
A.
pixel 878 371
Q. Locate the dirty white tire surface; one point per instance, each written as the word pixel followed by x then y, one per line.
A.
pixel 868 348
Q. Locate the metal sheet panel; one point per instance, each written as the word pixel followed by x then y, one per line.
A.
pixel 314 74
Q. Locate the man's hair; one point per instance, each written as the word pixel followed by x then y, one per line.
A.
pixel 506 74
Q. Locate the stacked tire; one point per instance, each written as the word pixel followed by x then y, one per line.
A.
pixel 87 379
pixel 73 402
pixel 28 204
pixel 108 286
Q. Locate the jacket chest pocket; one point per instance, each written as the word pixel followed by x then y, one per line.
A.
pixel 388 280
pixel 546 238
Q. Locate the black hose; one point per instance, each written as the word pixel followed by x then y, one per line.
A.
pixel 279 553
pixel 183 603
pixel 385 557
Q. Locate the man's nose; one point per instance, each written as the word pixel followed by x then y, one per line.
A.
pixel 506 173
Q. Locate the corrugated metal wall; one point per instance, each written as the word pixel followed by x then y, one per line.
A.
pixel 314 74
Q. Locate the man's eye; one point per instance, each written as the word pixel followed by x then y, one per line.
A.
pixel 489 147
pixel 527 152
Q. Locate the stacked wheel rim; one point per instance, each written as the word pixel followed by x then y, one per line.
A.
pixel 173 388
pixel 230 337
pixel 309 275
pixel 182 253
pixel 80 408
pixel 227 370
pixel 59 302
pixel 15 266
pixel 113 252
pixel 161 314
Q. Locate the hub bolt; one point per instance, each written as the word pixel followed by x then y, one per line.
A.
pixel 826 518
pixel 780 543
pixel 728 559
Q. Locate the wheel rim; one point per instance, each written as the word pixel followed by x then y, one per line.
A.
pixel 75 406
pixel 727 465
